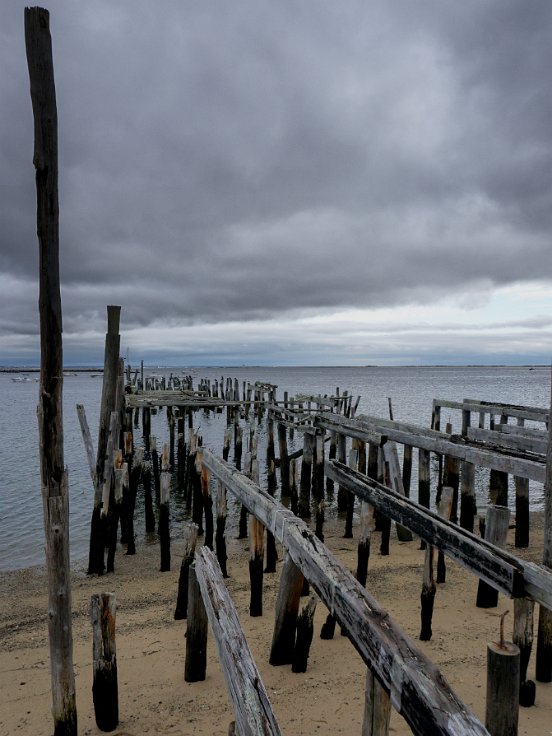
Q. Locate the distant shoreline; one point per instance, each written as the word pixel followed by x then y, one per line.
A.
pixel 68 369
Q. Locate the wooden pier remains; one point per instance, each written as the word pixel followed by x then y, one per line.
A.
pixel 372 482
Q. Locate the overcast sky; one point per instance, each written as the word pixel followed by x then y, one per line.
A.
pixel 288 182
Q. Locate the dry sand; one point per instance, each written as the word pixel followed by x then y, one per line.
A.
pixel 327 699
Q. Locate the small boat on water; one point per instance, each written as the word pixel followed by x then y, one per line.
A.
pixel 21 379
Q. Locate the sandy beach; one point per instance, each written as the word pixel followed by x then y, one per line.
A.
pixel 327 699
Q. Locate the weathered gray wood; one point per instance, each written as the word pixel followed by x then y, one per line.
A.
pixel 163 524
pixel 427 439
pixel 523 632
pixel 502 706
pixel 377 708
pixel 105 692
pixel 391 456
pixel 418 690
pixel 220 537
pixel 304 510
pixel 107 466
pixel 196 633
pixel 522 512
pixel 287 607
pixel 496 530
pixel 512 576
pixel 533 413
pixel 305 630
pixel 366 526
pixel 504 439
pixel 108 405
pixel 88 444
pixel 189 537
pixel 54 482
pixel 468 505
pixel 544 637
pixel 248 696
pixel 445 511
pixel 349 427
pixel 109 385
pixel 256 555
pixel 427 597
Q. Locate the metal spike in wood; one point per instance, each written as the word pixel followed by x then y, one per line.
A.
pixel 38 44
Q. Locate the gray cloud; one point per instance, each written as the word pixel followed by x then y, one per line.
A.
pixel 223 162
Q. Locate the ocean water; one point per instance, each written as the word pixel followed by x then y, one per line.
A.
pixel 412 390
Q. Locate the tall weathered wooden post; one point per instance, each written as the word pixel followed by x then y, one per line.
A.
pixel 53 474
pixel 544 641
pixel 108 405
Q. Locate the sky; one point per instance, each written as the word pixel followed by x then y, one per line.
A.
pixel 288 183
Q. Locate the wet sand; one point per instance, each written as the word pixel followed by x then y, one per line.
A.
pixel 327 699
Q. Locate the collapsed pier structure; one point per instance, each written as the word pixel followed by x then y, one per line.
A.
pixel 362 465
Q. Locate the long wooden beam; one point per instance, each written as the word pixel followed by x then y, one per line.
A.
pixel 507 573
pixel 349 428
pixel 250 703
pixel 454 445
pixel 509 440
pixel 533 413
pixel 417 688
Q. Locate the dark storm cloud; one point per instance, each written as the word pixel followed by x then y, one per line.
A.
pixel 224 161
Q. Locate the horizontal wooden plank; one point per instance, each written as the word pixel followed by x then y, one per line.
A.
pixel 534 413
pixel 533 467
pixel 509 574
pixel 510 440
pixel 250 702
pixel 347 427
pixel 417 688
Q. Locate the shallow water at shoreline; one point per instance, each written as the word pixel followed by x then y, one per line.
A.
pixel 411 389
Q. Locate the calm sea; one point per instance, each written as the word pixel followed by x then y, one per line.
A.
pixel 411 389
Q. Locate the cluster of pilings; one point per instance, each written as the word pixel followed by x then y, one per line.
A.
pixel 347 460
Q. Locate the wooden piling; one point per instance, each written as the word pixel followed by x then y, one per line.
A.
pixel 496 530
pixel 120 479
pixel 342 496
pixel 427 597
pixel 305 630
pixel 105 693
pixel 523 639
pixel 163 523
pixel 148 498
pixel 384 521
pixel 220 535
pixel 366 527
pixel 468 506
pixel 444 509
pixel 155 469
pixel 305 484
pixel 544 635
pixel 207 507
pixel 287 608
pixel 353 462
pixel 284 459
pixel 522 506
pixel 256 555
pixel 196 633
pixel 189 537
pixel 377 707
pixel 38 44
pixel 134 478
pixel 318 465
pixel 502 705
